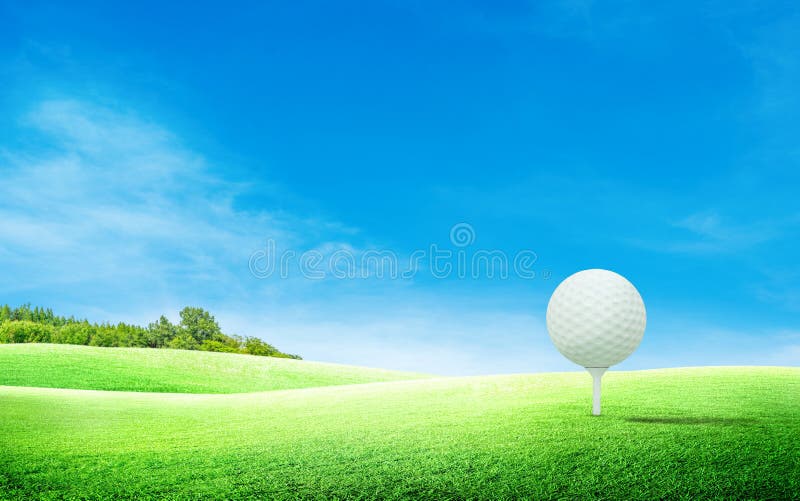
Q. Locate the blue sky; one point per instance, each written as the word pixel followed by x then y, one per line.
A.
pixel 148 151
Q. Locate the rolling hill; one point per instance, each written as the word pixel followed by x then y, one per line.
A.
pixel 725 432
pixel 171 371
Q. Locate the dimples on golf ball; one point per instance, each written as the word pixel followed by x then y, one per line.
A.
pixel 596 318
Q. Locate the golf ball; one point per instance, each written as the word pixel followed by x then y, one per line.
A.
pixel 596 318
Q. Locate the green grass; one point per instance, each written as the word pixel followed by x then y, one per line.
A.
pixel 171 371
pixel 683 433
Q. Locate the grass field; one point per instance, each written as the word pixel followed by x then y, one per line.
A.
pixel 681 433
pixel 171 371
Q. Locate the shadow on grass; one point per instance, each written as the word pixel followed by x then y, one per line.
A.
pixel 689 420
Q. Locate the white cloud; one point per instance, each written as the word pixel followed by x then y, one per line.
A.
pixel 787 355
pixel 712 234
pixel 404 334
pixel 682 343
pixel 109 201
pixel 780 286
pixel 707 232
pixel 116 218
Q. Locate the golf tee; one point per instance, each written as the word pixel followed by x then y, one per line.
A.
pixel 597 376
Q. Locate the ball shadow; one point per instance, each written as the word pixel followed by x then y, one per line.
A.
pixel 690 420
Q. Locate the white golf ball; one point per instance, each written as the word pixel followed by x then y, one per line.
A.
pixel 596 318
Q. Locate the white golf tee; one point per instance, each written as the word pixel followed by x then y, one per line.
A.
pixel 597 376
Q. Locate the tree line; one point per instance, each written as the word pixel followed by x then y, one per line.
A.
pixel 197 330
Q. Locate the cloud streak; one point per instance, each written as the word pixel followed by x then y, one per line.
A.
pixel 713 235
pixel 112 217
pixel 109 200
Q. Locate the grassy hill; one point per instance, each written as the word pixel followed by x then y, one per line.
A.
pixel 681 433
pixel 172 371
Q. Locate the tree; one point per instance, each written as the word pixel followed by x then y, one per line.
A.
pixel 199 324
pixel 5 313
pixel 160 333
pixel 209 345
pixel 74 333
pixel 255 346
pixel 130 335
pixel 22 312
pixel 105 335
pixel 198 330
pixel 183 342
pixel 25 331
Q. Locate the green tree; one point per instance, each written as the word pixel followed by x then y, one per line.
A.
pixel 199 324
pixel 105 335
pixel 211 345
pixel 74 333
pixel 183 342
pixel 129 335
pixel 22 312
pixel 197 330
pixel 160 333
pixel 25 331
pixel 5 313
pixel 255 346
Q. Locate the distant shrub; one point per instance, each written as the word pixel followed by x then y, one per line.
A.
pixel 160 333
pixel 183 342
pixel 76 333
pixel 255 346
pixel 287 355
pixel 199 324
pixel 104 335
pixel 25 331
pixel 197 330
pixel 209 345
pixel 130 335
pixel 5 313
